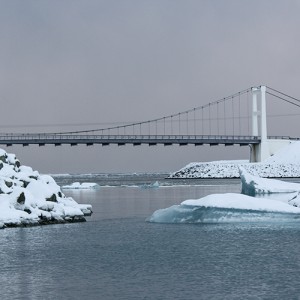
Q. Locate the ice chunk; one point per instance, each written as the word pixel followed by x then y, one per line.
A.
pixel 154 185
pixel 81 186
pixel 253 185
pixel 226 208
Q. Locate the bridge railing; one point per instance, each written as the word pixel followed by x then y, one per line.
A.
pixel 89 139
pixel 124 137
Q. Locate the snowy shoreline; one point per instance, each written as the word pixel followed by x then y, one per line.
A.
pixel 215 170
pixel 284 164
pixel 28 198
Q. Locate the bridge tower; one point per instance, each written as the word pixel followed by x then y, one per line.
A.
pixel 267 147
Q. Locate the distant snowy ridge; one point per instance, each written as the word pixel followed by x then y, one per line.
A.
pixel 285 163
pixel 29 198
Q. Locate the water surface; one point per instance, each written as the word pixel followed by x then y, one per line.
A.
pixel 117 255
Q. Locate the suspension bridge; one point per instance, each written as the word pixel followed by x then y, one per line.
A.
pixel 239 119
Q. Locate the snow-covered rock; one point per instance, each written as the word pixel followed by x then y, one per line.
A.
pixel 81 186
pixel 29 198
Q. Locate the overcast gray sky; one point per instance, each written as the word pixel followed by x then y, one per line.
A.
pixel 92 61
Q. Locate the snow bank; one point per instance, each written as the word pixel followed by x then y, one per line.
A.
pixel 222 208
pixel 285 163
pixel 81 186
pixel 289 154
pixel 29 198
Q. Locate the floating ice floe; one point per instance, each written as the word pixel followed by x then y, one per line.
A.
pixel 254 185
pixel 81 186
pixel 278 201
pixel 223 208
pixel 154 185
pixel 29 198
pixel 287 192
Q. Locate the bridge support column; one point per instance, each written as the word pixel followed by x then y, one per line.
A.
pixel 259 125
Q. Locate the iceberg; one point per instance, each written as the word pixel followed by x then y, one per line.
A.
pixel 224 208
pixel 29 198
pixel 253 185
pixel 81 186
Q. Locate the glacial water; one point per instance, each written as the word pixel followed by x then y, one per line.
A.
pixel 117 255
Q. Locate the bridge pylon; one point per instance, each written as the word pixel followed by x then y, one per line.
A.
pixel 266 147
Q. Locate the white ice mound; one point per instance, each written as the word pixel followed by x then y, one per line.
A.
pixel 28 198
pixel 239 201
pixel 290 154
pixel 81 186
pixel 254 185
pixel 222 208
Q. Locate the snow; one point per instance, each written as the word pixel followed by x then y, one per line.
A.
pixel 29 198
pixel 285 163
pixel 81 186
pixel 240 201
pixel 289 154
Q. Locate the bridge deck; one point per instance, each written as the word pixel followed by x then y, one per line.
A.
pixel 60 139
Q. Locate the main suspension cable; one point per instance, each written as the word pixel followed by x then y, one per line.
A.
pixel 283 99
pixel 283 94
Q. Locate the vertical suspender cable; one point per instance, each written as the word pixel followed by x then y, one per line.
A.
pixel 187 123
pixel 248 114
pixel 202 121
pixel 224 117
pixel 232 106
pixel 195 133
pixel 239 113
pixel 209 120
pixel 218 118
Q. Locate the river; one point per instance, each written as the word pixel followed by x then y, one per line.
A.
pixel 117 255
